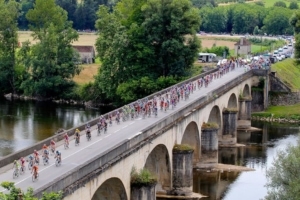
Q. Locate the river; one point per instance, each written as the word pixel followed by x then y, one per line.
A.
pixel 259 153
pixel 24 123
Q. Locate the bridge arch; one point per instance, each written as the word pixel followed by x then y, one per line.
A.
pixel 158 163
pixel 246 91
pixel 112 188
pixel 232 101
pixel 215 117
pixel 191 137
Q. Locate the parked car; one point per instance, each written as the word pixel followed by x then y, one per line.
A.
pixel 282 56
pixel 285 47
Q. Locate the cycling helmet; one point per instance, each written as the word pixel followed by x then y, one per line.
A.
pixel 57 152
pixel 34 151
pixel 15 161
pixel 77 129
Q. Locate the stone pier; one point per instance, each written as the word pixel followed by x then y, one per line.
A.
pixel 143 192
pixel 209 147
pixel 182 171
pixel 229 127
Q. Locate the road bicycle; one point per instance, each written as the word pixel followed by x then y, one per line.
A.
pixel 76 141
pixel 16 173
pixel 35 177
pixel 66 144
pixel 57 162
pixel 22 170
pixel 30 164
pixel 45 160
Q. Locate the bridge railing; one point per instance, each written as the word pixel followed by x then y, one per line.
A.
pixel 58 137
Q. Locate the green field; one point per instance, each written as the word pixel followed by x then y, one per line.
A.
pixel 288 72
pixel 270 3
pixel 290 112
pixel 259 48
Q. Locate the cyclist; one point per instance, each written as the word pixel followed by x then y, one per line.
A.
pixel 66 136
pixel 77 135
pixel 58 156
pixel 36 156
pixel 31 162
pixel 22 161
pixel 16 165
pixel 52 144
pixel 45 151
pixel 35 170
pixel 88 132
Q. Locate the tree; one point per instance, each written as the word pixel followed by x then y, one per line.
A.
pixel 9 11
pixel 15 193
pixel 260 3
pixel 294 5
pixel 145 39
pixel 283 177
pixel 295 22
pixel 213 19
pixel 256 30
pixel 280 4
pixel 277 21
pixel 52 60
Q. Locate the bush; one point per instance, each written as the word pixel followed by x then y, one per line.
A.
pixel 210 125
pixel 142 178
pixel 183 147
pixel 293 5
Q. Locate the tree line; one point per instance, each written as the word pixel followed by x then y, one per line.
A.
pixel 81 13
pixel 244 18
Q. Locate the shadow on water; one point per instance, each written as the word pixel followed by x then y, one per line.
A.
pixel 22 123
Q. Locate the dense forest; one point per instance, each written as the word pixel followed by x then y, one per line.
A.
pixel 143 45
pixel 236 18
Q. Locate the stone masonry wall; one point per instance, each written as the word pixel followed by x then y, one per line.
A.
pixel 283 98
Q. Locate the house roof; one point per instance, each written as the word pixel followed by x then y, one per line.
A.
pixel 82 49
pixel 243 42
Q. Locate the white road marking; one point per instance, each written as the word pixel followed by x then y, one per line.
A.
pixel 116 130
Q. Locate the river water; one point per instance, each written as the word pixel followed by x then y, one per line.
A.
pixel 24 123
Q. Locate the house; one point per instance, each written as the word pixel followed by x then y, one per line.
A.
pixel 87 53
pixel 242 47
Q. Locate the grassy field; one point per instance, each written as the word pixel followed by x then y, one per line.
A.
pixel 268 3
pixel 288 72
pixel 290 112
pixel 89 71
pixel 258 48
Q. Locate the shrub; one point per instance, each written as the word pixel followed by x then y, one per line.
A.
pixel 142 178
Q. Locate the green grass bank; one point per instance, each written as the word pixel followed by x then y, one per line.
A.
pixel 289 73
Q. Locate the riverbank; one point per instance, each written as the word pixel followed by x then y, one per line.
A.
pixel 282 114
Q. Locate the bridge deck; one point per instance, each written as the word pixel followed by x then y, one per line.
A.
pixel 74 156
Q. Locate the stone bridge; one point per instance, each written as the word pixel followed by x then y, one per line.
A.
pixel 208 120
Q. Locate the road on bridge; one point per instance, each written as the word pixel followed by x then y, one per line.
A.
pixel 116 133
